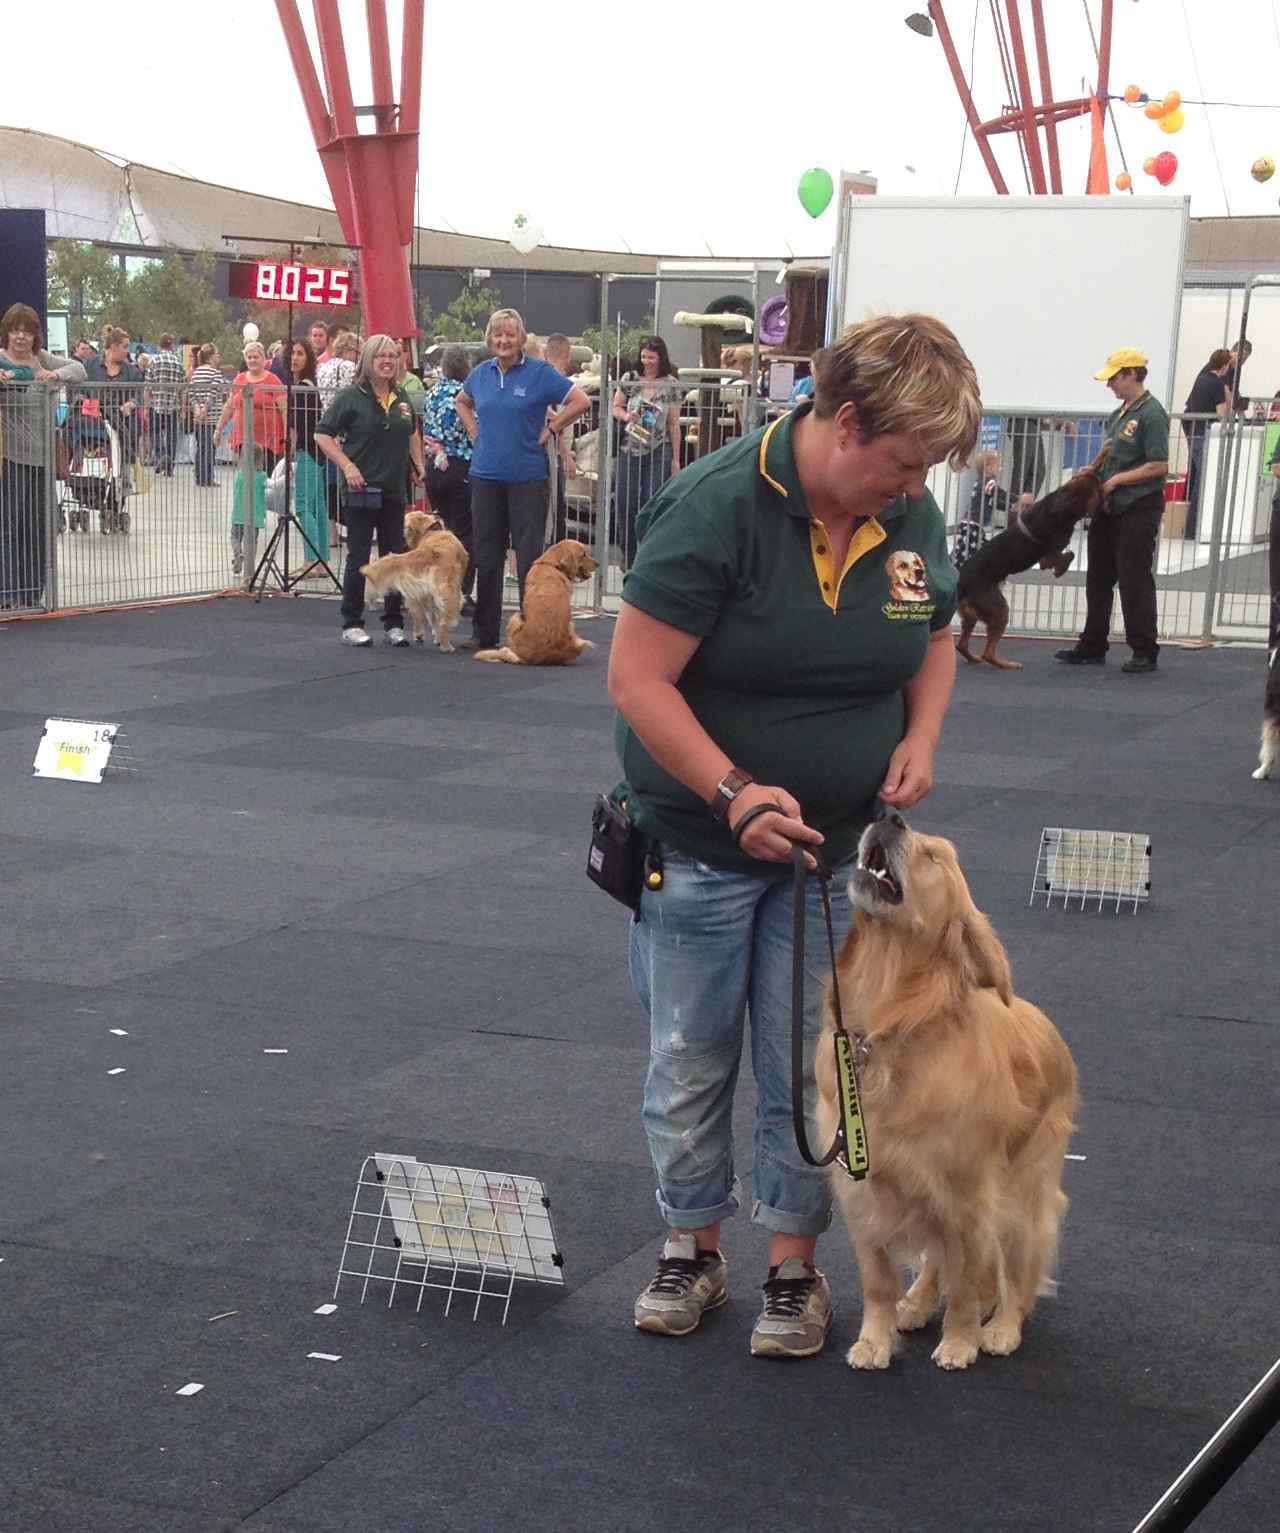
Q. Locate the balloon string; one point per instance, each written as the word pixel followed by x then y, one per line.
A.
pixel 964 136
pixel 1222 180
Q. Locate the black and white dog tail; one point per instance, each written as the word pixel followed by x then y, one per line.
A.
pixel 1269 748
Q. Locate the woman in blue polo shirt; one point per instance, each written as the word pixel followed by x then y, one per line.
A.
pixel 503 406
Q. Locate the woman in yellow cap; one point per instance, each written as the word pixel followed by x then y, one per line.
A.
pixel 1122 537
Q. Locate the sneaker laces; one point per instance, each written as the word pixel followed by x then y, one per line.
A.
pixel 787 1297
pixel 676 1275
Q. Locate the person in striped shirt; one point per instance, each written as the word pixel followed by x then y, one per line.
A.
pixel 164 371
pixel 208 391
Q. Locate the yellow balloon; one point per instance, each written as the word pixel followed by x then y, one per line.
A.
pixel 1171 121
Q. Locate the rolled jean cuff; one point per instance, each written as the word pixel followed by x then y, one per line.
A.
pixel 779 1222
pixel 700 1218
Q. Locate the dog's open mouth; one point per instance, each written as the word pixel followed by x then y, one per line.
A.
pixel 875 866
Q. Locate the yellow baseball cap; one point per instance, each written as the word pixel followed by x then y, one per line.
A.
pixel 1127 356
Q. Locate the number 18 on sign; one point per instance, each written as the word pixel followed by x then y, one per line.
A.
pixel 74 749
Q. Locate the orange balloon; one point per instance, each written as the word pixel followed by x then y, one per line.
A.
pixel 1124 181
pixel 1149 165
pixel 1131 93
pixel 1154 109
pixel 1172 101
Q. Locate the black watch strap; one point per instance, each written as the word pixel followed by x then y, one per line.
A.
pixel 727 789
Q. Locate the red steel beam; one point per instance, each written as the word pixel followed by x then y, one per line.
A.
pixel 333 60
pixel 966 99
pixel 384 92
pixel 1030 133
pixel 1046 94
pixel 411 66
pixel 1056 111
pixel 305 71
pixel 1104 49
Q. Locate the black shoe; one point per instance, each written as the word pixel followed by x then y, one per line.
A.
pixel 1139 665
pixel 1078 656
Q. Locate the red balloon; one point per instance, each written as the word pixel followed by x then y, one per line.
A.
pixel 1165 167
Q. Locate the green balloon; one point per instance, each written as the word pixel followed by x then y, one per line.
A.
pixel 815 191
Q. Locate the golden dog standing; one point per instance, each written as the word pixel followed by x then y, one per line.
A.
pixel 771 683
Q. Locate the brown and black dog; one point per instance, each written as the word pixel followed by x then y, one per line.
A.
pixel 1039 536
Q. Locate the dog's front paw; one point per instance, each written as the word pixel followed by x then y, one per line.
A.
pixel 1000 1337
pixel 954 1352
pixel 911 1317
pixel 445 649
pixel 1260 774
pixel 866 1353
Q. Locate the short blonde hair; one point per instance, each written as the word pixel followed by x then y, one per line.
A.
pixel 344 341
pixel 505 317
pixel 903 373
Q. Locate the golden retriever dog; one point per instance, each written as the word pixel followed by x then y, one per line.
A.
pixel 545 635
pixel 908 578
pixel 968 1099
pixel 428 577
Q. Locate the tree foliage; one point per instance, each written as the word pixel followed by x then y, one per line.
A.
pixel 83 279
pixel 466 317
pixel 629 349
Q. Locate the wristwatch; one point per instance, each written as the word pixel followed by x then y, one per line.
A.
pixel 727 789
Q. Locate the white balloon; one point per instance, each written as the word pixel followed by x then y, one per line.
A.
pixel 250 332
pixel 525 237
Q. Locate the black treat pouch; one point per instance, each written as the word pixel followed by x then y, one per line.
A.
pixel 616 859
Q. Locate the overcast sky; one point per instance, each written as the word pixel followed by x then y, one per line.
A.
pixel 676 126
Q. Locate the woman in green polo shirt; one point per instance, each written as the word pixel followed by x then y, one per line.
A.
pixel 782 658
pixel 371 432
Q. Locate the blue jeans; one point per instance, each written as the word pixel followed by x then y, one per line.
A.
pixel 709 947
pixel 640 476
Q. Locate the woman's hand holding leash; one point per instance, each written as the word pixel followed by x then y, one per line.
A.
pixel 766 823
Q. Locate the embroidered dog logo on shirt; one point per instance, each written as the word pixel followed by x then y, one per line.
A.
pixel 909 596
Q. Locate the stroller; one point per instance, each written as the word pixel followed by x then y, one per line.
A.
pixel 98 479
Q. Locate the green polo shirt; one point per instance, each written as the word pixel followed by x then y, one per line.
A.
pixel 800 671
pixel 1136 434
pixel 376 439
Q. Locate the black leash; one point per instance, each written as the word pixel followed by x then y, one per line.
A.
pixel 850 1143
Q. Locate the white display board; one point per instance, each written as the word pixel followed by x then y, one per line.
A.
pixel 1039 290
pixel 75 750
pixel 456 1216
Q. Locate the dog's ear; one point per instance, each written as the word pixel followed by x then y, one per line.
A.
pixel 971 943
pixel 984 956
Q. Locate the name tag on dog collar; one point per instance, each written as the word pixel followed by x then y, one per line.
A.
pixel 855 1155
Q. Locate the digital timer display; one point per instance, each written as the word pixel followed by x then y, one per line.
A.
pixel 326 287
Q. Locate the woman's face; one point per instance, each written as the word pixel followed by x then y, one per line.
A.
pixel 649 363
pixel 298 361
pixel 20 342
pixel 319 340
pixel 387 363
pixel 869 474
pixel 117 353
pixel 255 359
pixel 504 342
